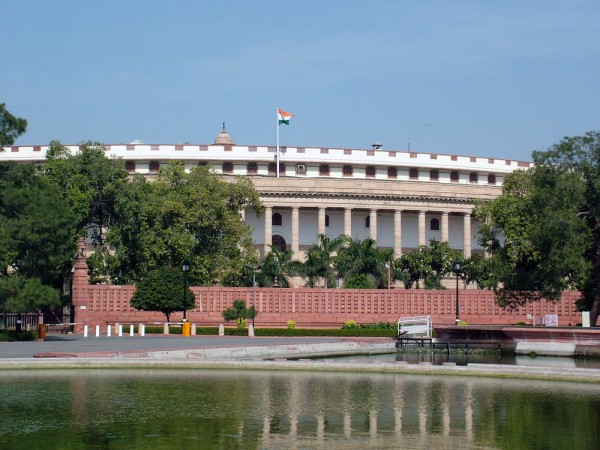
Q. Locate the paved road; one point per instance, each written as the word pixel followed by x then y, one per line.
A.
pixel 79 344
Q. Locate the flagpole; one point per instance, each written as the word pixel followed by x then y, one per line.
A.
pixel 277 153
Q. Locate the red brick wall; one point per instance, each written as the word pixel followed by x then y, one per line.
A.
pixel 102 305
pixel 321 307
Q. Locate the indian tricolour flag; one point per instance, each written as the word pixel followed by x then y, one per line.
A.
pixel 283 117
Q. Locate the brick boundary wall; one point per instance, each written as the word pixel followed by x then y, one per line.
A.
pixel 313 308
pixel 323 308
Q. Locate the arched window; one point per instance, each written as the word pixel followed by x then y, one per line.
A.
pixel 491 178
pixel 434 175
pixel 454 176
pixel 413 173
pixel 227 167
pixel 277 219
pixel 154 166
pixel 279 243
pixel 434 225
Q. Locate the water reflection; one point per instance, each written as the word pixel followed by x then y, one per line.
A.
pixel 261 409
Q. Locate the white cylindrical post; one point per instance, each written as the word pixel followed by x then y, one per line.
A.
pixel 120 330
pixel 85 331
pixel 193 329
pixel 142 329
pixel 250 331
pixel 131 329
pixel 109 331
pixel 97 330
pixel 221 330
pixel 166 328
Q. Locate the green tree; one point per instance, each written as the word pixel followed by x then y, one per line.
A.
pixel 412 267
pixel 545 227
pixel 20 294
pixel 318 264
pixel 162 290
pixel 11 127
pixel 91 183
pixel 191 215
pixel 37 236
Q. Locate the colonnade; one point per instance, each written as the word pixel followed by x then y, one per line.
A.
pixel 373 229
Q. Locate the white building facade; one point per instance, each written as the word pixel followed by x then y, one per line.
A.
pixel 401 199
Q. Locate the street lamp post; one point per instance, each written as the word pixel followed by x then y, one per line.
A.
pixel 185 267
pixel 254 269
pixel 456 267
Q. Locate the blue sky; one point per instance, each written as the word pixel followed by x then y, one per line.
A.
pixel 488 78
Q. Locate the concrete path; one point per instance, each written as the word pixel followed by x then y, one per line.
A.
pixel 136 346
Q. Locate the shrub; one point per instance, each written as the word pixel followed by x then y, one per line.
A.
pixel 349 324
pixel 291 324
pixel 13 336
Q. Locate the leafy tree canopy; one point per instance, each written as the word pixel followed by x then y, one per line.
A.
pixel 11 127
pixel 162 290
pixel 544 230
pixel 191 215
pixel 37 235
pixel 90 182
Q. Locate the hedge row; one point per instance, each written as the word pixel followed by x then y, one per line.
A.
pixel 12 336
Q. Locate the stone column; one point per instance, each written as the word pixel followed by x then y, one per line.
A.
pixel 444 226
pixel 422 228
pixel 80 287
pixel 467 235
pixel 321 221
pixel 373 224
pixel 268 229
pixel 348 222
pixel 295 231
pixel 397 234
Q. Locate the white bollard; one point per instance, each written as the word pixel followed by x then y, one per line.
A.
pixel 131 329
pixel 109 331
pixel 97 330
pixel 120 330
pixel 166 328
pixel 250 331
pixel 193 329
pixel 221 330
pixel 142 329
pixel 85 331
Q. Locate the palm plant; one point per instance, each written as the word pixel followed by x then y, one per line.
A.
pixel 319 261
pixel 278 264
pixel 363 257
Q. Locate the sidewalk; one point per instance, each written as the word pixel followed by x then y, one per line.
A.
pixel 153 346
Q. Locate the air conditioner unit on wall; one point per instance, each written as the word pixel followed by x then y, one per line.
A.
pixel 300 168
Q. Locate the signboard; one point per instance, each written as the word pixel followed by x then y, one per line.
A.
pixel 551 320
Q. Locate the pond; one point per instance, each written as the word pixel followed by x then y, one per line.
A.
pixel 160 409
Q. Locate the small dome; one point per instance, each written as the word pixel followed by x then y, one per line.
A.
pixel 223 138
